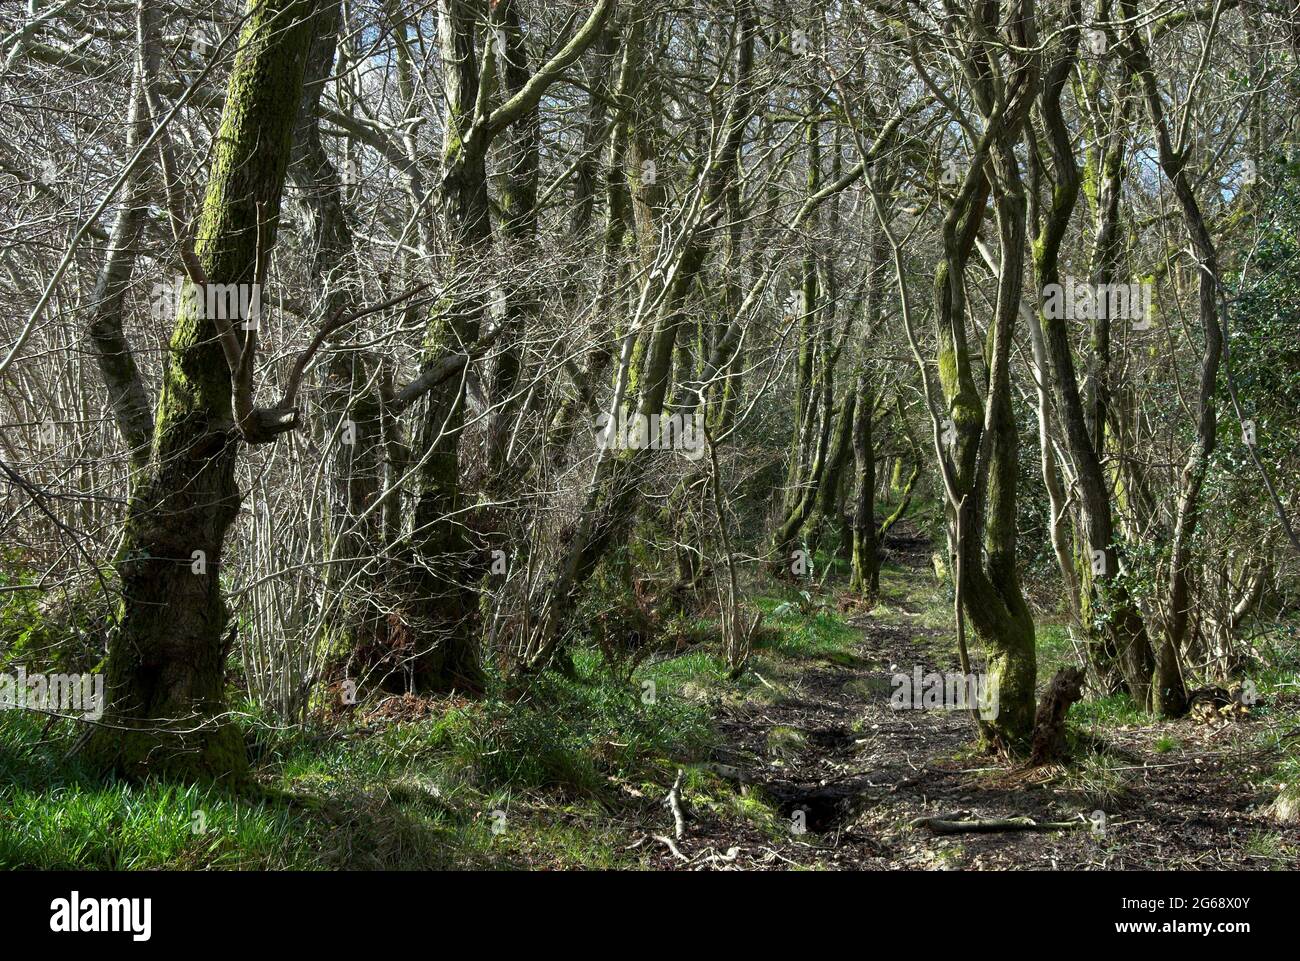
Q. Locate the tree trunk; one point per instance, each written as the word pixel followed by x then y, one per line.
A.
pixel 1169 691
pixel 446 560
pixel 1107 611
pixel 609 504
pixel 1049 730
pixel 166 665
pixel 518 203
pixel 981 459
pixel 865 556
pixel 127 397
pixel 348 425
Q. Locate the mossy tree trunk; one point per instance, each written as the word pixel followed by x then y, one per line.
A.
pixel 805 308
pixel 865 553
pixel 127 397
pixel 610 503
pixel 166 665
pixel 992 595
pixel 518 203
pixel 832 450
pixel 441 600
pixel 823 440
pixel 1106 172
pixel 723 408
pixel 981 451
pixel 1118 633
pixel 618 221
pixel 348 423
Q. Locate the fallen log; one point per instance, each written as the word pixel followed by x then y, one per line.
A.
pixel 959 822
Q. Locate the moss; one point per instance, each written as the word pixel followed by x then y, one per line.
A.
pixel 786 742
pixel 214 755
pixel 1012 671
pixel 1089 184
pixel 948 370
pixel 166 666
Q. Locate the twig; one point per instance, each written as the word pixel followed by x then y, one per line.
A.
pixel 663 839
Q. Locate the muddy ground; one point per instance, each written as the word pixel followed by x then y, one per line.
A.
pixel 860 772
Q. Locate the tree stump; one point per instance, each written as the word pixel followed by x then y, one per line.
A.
pixel 1049 729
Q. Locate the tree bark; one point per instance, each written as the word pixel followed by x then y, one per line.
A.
pixel 446 561
pixel 1169 691
pixel 865 557
pixel 127 398
pixel 348 423
pixel 166 665
pixel 1109 614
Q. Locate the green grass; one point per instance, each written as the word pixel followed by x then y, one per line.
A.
pixel 821 635
pixel 1277 671
pixel 1273 848
pixel 703 666
pixel 1117 710
pixel 709 792
pixel 540 779
pixel 419 794
pixel 785 742
pixel 918 599
pixel 54 815
pixel 1098 778
pixel 1056 650
pixel 1287 770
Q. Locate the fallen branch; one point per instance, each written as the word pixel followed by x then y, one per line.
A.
pixel 674 803
pixel 728 772
pixel 960 822
pixel 729 857
pixel 665 840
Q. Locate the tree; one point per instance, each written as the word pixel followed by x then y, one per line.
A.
pixel 166 666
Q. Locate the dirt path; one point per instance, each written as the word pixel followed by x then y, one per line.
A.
pixel 836 760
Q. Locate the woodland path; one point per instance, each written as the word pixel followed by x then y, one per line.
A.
pixel 862 772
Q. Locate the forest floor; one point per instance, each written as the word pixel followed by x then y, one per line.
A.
pixel 1174 795
pixel 800 763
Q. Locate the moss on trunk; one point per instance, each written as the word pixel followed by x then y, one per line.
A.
pixel 166 712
